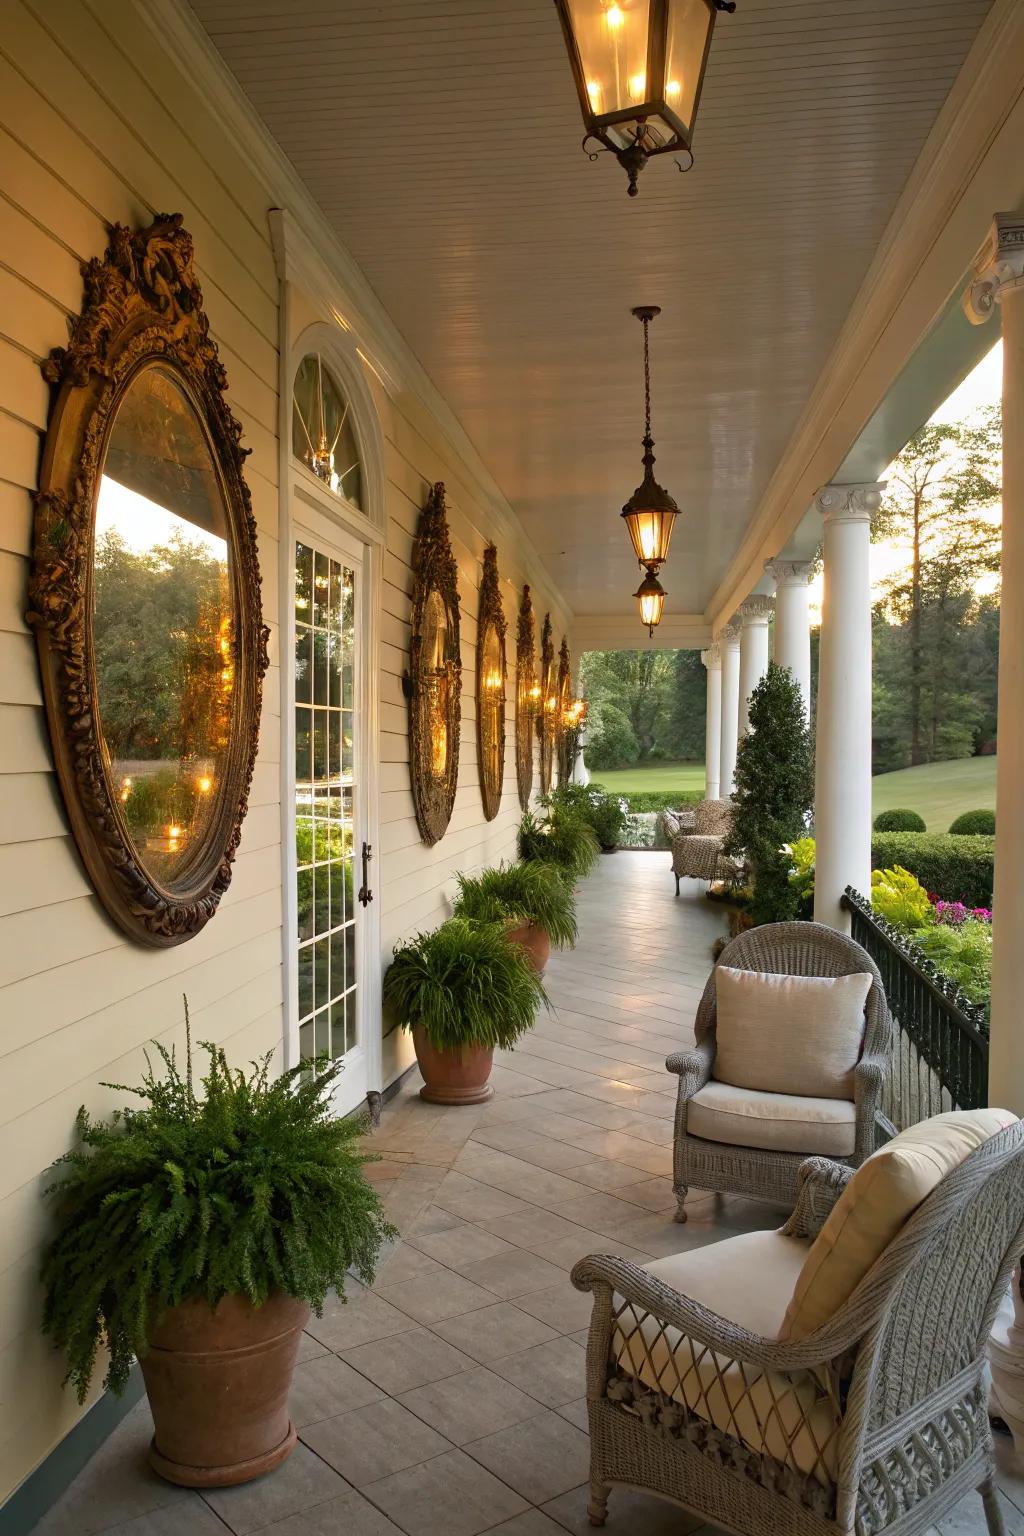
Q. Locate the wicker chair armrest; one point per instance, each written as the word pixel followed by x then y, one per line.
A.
pixel 606 1275
pixel 868 1083
pixel 820 1183
pixel 693 1068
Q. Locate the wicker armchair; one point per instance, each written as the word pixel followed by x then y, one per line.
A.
pixel 873 1423
pixel 697 850
pixel 787 949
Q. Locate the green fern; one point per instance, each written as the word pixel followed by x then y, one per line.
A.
pixel 563 839
pixel 251 1187
pixel 520 893
pixel 464 984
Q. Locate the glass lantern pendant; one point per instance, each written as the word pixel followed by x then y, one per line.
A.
pixel 650 512
pixel 651 595
pixel 639 66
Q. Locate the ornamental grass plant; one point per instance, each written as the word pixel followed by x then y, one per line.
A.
pixel 464 984
pixel 562 839
pixel 520 893
pixel 249 1187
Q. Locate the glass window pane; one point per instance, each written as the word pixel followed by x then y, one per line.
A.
pixel 323 435
pixel 305 981
pixel 303 581
pixel 319 745
pixel 350 954
pixel 304 885
pixel 321 972
pixel 303 746
pixel 321 588
pixel 338 982
pixel 322 1032
pixel 321 899
pixel 306 1049
pixel 337 892
pixel 351 1030
pixel 320 667
pixel 338 1046
pixel 303 670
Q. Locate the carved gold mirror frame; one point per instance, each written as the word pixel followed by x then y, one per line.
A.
pixel 562 735
pixel 434 683
pixel 527 694
pixel 491 675
pixel 142 311
pixel 548 705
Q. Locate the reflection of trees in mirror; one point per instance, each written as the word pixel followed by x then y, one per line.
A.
pixel 164 657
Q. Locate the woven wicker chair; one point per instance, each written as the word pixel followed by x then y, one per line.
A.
pixel 875 1422
pixel 697 851
pixel 787 949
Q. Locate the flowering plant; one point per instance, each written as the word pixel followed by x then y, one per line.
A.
pixel 953 914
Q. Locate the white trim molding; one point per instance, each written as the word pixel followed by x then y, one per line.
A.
pixel 999 267
pixel 849 503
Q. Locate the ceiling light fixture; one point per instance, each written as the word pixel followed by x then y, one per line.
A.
pixel 652 596
pixel 639 67
pixel 650 512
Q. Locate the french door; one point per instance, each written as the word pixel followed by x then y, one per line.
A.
pixel 331 869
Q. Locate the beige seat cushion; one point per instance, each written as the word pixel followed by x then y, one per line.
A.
pixel 777 1122
pixel 792 1419
pixel 789 1034
pixel 883 1193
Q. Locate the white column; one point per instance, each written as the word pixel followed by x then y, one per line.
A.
pixel 754 616
pixel 712 659
pixel 792 626
pixel 999 278
pixel 842 783
pixel 729 645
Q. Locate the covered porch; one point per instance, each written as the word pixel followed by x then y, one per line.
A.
pixel 448 1399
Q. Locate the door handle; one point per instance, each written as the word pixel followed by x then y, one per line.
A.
pixel 365 894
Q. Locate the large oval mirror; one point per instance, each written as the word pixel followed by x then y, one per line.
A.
pixel 145 592
pixel 527 695
pixel 490 686
pixel 434 681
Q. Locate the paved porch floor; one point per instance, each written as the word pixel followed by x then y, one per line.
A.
pixel 448 1399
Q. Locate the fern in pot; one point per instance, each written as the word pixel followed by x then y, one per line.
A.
pixel 562 839
pixel 462 990
pixel 533 901
pixel 196 1232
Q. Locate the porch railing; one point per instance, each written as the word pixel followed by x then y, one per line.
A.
pixel 940 1040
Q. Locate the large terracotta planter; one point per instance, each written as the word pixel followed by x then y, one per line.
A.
pixel 535 941
pixel 453 1077
pixel 218 1382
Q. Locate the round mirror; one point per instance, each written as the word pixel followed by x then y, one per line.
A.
pixel 162 624
pixel 144 592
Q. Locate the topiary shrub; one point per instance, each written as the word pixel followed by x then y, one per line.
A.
pixel 774 792
pixel 950 868
pixel 975 824
pixel 899 821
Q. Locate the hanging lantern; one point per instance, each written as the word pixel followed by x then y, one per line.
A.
pixel 651 595
pixel 639 66
pixel 650 512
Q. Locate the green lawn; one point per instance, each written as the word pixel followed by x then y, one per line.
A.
pixel 651 776
pixel 938 791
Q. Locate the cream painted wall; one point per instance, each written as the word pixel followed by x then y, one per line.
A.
pixel 97 124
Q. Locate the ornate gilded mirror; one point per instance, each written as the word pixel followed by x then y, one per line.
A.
pixel 434 683
pixel 145 590
pixel 548 705
pixel 490 686
pixel 564 694
pixel 527 695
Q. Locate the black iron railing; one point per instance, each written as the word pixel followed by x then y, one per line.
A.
pixel 940 1044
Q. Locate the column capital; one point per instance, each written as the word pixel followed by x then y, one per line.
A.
pixel 712 657
pixel 850 503
pixel 729 634
pixel 998 267
pixel 790 573
pixel 757 609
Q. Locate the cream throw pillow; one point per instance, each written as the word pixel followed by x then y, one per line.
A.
pixel 884 1192
pixel 789 1034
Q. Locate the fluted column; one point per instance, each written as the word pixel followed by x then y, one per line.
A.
pixel 712 659
pixel 729 646
pixel 842 785
pixel 755 614
pixel 792 625
pixel 999 279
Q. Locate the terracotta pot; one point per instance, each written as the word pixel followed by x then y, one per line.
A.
pixel 218 1381
pixel 455 1076
pixel 534 940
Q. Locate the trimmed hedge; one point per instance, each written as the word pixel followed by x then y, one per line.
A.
pixel 899 821
pixel 661 799
pixel 975 824
pixel 953 868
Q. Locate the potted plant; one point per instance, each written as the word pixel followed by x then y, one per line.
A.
pixel 532 900
pixel 462 990
pixel 563 839
pixel 196 1233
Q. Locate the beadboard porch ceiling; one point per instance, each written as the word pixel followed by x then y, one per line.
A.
pixel 441 138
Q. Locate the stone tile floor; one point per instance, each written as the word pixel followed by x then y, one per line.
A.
pixel 447 1400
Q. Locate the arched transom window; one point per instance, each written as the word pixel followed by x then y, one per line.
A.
pixel 322 432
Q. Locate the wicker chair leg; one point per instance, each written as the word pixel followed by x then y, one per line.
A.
pixel 993 1514
pixel 677 885
pixel 680 1214
pixel 597 1506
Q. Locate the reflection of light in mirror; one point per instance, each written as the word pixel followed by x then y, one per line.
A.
pixel 439 749
pixel 140 523
pixel 204 784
